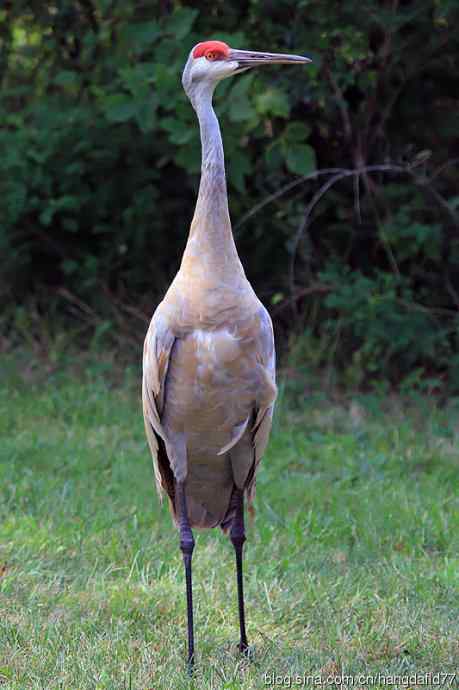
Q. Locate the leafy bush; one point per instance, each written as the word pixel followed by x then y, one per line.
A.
pixel 100 157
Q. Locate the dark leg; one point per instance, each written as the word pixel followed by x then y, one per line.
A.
pixel 238 538
pixel 186 546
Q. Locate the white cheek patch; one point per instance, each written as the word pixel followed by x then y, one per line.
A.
pixel 212 69
pixel 199 68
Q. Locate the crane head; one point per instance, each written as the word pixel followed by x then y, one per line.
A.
pixel 211 61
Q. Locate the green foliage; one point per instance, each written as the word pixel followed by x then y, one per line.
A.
pixel 377 318
pixel 100 158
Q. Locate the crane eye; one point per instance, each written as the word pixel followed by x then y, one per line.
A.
pixel 211 55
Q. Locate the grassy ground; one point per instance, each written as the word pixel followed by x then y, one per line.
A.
pixel 352 563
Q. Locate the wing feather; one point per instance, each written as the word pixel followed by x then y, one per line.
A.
pixel 264 409
pixel 158 345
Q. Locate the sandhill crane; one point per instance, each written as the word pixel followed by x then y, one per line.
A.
pixel 209 363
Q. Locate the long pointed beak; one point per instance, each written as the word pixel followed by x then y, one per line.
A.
pixel 251 58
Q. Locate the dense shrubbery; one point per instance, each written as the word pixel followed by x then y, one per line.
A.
pixel 99 165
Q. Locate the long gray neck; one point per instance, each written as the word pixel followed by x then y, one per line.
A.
pixel 210 233
pixel 213 159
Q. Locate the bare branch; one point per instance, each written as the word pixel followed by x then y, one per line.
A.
pixel 342 105
pixel 339 174
pixel 357 198
pixel 304 292
pixel 443 166
pixel 387 167
pixel 283 190
pixel 424 183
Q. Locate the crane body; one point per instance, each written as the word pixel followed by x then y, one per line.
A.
pixel 209 361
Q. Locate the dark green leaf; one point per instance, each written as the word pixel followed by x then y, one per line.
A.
pixel 301 159
pixel 119 108
pixel 273 102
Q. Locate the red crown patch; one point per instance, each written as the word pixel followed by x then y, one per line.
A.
pixel 218 47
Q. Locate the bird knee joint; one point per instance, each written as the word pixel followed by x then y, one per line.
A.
pixel 187 546
pixel 238 539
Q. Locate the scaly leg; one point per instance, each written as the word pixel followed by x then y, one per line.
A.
pixel 186 546
pixel 238 538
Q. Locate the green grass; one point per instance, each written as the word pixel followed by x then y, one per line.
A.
pixel 352 562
